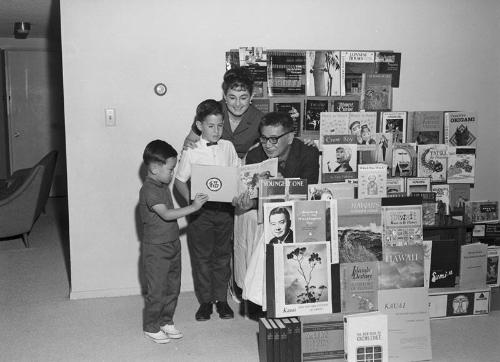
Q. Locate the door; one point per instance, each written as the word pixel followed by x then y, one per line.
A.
pixel 35 111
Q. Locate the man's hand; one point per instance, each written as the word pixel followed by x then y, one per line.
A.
pixel 199 200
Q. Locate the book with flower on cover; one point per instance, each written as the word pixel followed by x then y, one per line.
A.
pixel 366 337
pixel 402 267
pixel 401 221
pixel 461 165
pixel 372 180
pixel 250 175
pixel 460 129
pixel 432 161
pixel 359 286
pixel 301 282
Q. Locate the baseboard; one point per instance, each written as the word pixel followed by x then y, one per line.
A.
pixel 103 293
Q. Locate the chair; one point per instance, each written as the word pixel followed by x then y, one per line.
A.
pixel 23 197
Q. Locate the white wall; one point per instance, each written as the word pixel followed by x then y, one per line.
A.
pixel 115 51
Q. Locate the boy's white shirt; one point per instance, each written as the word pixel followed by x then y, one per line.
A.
pixel 221 154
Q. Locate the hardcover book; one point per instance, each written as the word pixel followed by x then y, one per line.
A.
pixel 352 65
pixel 473 265
pixel 366 337
pixel 401 221
pixel 372 180
pixel 418 184
pixel 276 339
pixel 292 351
pixel 359 230
pixel 250 176
pixel 461 165
pixel 280 189
pixel 460 129
pixel 408 323
pixel 301 282
pixel 359 286
pixel 323 72
pixel 425 127
pixel 339 160
pixel 404 160
pixel 480 211
pixel 376 93
pixel 279 222
pixel 432 161
pixel 389 63
pixel 220 183
pixel 283 339
pixel 286 72
pixel 444 263
pixel 459 194
pixel 293 107
pixel 322 337
pixel 394 123
pixel 492 270
pixel 310 220
pixel 333 123
pixel 330 191
pixel 377 149
pixel 266 340
pixel 314 108
pixel 402 267
pixel 395 184
pixel 363 125
pixel 345 104
pixel 442 196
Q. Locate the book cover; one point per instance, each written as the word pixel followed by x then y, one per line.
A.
pixel 459 194
pixel 427 245
pixel 395 184
pixel 425 127
pixel 389 63
pixel 322 337
pixel 401 221
pixel 372 180
pixel 232 59
pixel 363 125
pixel 345 104
pixel 293 107
pixel 280 189
pixel 330 191
pixel 252 56
pixel 461 165
pixel 473 265
pixel 286 72
pixel 444 263
pixel 408 323
pixel 480 211
pixel 301 279
pixel 323 72
pixel 394 123
pixel 352 65
pixel 279 222
pixel 404 160
pixel 432 161
pixel 376 92
pixel 442 195
pixel 266 339
pixel 418 184
pixel 262 104
pixel 359 230
pixel 366 337
pixel 250 176
pixel 429 206
pixel 492 270
pixel 339 161
pixel 314 108
pixel 377 149
pixel 333 123
pixel 460 129
pixel 402 267
pixel 310 220
pixel 220 183
pixel 359 286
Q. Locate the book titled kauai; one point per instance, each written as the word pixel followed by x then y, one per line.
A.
pixel 301 281
pixel 312 115
pixel 294 107
pixel 352 65
pixel 473 265
pixel 322 337
pixel 461 165
pixel 250 175
pixel 310 220
pixel 376 92
pixel 266 340
pixel 339 160
pixel 480 211
pixel 402 267
pixel 432 161
pixel 401 221
pixel 359 286
pixel 389 63
pixel 444 263
pixel 286 72
pixel 323 72
pixel 425 127
pixel 372 180
pixel 366 337
pixel 359 230
pixel 404 160
pixel 394 123
pixel 460 129
pixel 408 323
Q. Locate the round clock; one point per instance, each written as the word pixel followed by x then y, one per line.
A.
pixel 160 89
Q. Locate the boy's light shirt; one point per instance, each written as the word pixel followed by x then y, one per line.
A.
pixel 221 154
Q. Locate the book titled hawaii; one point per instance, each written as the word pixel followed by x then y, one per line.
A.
pixel 432 161
pixel 366 337
pixel 460 129
pixel 402 267
pixel 302 280
pixel 372 180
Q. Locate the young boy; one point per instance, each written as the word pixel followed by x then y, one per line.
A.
pixel 161 248
pixel 210 230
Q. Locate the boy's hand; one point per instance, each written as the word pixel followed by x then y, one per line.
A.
pixel 199 200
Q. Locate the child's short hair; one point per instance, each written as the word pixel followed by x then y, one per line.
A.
pixel 207 108
pixel 238 78
pixel 277 119
pixel 158 151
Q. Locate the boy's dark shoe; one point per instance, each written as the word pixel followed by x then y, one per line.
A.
pixel 204 312
pixel 224 310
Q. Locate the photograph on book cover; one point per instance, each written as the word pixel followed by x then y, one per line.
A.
pixel 279 222
pixel 314 108
pixel 292 106
pixel 339 162
pixel 395 123
pixel 492 271
pixel 323 73
pixel 250 176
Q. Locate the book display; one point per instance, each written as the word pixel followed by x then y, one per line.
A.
pixel 384 237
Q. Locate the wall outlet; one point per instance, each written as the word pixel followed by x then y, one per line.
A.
pixel 110 117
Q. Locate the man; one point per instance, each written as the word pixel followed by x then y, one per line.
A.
pixel 343 157
pixel 280 222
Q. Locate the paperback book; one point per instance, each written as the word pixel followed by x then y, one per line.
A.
pixel 377 149
pixel 376 93
pixel 429 206
pixel 301 282
pixel 402 267
pixel 314 108
pixel 395 184
pixel 286 72
pixel 345 104
pixel 473 265
pixel 444 263
pixel 395 124
pixel 372 180
pixel 492 271
pixel 359 286
pixel 359 230
pixel 330 191
pixel 432 161
pixel 401 221
pixel 339 160
pixel 323 72
pixel 442 196
pixel 363 125
pixel 460 129
pixel 352 65
pixel 389 63
pixel 418 184
pixel 404 160
pixel 459 194
pixel 291 106
pixel 425 127
pixel 280 189
pixel 322 337
pixel 250 176
pixel 461 165
pixel 333 123
pixel 310 220
pixel 366 337
pixel 480 211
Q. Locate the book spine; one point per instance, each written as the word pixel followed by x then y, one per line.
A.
pixel 266 337
pixel 297 340
pixel 270 290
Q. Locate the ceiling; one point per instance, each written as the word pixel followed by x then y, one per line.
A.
pixel 42 14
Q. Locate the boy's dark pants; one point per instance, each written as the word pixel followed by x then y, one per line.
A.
pixel 162 270
pixel 210 234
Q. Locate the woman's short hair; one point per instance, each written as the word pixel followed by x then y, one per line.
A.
pixel 237 78
pixel 207 108
pixel 277 119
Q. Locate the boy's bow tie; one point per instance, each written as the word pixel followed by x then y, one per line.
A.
pixel 211 143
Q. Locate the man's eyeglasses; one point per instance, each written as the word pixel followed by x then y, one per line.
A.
pixel 272 139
